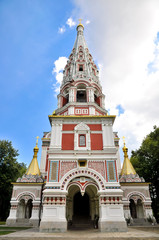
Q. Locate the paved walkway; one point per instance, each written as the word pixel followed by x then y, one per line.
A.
pixel 132 234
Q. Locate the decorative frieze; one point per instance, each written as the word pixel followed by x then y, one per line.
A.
pixel 83 172
pixel 53 176
pixel 54 200
pixel 66 166
pixel 30 179
pixel 97 166
pixel 111 171
pixel 110 200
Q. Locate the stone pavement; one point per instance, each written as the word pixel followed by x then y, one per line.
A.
pixel 93 234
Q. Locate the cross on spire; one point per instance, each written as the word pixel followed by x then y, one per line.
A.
pixel 80 19
pixel 124 140
pixel 37 140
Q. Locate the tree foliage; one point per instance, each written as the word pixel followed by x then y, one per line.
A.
pixel 10 170
pixel 146 163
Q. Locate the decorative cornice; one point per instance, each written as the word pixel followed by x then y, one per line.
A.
pixel 135 183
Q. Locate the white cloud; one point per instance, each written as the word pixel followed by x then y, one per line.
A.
pixel 87 22
pixel 59 65
pixel 62 29
pixel 121 37
pixel 70 22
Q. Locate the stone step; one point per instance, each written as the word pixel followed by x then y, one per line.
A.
pixel 140 222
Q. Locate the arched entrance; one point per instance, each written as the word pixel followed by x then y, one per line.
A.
pixel 28 211
pixel 81 205
pixel 136 209
pixel 133 209
pixel 24 210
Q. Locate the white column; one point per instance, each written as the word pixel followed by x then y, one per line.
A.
pixel 71 110
pixel 91 111
pixel 43 160
pixel 90 92
pixel 103 101
pixel 108 139
pixel 56 134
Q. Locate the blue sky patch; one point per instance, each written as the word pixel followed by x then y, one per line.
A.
pixel 120 109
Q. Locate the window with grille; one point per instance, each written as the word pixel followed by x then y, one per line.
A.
pixel 82 140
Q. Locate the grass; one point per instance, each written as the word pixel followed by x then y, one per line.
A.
pixel 6 230
pixel 2 223
pixel 13 228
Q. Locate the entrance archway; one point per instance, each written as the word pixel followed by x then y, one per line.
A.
pixel 139 209
pixel 81 205
pixel 133 209
pixel 28 210
pixel 136 209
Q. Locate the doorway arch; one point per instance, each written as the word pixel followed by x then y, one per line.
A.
pixel 81 205
pixel 133 209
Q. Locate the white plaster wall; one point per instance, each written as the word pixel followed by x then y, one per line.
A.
pixel 54 213
pixel 56 134
pixel 108 139
pixel 71 110
pixel 43 160
pixel 118 161
pixel 35 214
pixel 12 214
pixel 112 212
pixel 103 101
pixel 91 111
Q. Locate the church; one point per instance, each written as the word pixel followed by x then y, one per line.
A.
pixel 80 181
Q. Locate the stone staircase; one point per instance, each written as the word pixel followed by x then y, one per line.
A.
pixel 23 223
pixel 140 222
pixel 81 223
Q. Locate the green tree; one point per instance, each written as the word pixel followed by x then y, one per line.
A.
pixel 10 170
pixel 146 163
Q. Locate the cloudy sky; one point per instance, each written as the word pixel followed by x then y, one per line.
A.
pixel 38 36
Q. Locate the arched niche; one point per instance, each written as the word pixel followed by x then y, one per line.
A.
pixel 28 209
pixel 21 209
pixel 81 93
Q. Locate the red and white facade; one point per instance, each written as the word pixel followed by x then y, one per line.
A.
pixel 80 154
pixel 80 162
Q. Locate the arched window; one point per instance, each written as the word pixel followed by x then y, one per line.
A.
pixel 80 68
pixel 81 93
pixel 82 140
pixel 28 210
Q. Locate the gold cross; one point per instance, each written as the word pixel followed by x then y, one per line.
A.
pixel 80 19
pixel 124 140
pixel 37 141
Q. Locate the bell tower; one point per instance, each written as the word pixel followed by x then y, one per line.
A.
pixel 80 155
pixel 81 92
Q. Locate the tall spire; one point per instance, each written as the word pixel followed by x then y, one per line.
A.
pixel 33 168
pixel 80 64
pixel 80 91
pixel 127 166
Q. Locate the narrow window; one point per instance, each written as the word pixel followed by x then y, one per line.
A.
pixel 80 68
pixel 68 72
pixel 82 163
pixel 82 140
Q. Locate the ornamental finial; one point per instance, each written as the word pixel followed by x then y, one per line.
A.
pixel 80 24
pixel 80 19
pixel 37 140
pixel 124 140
